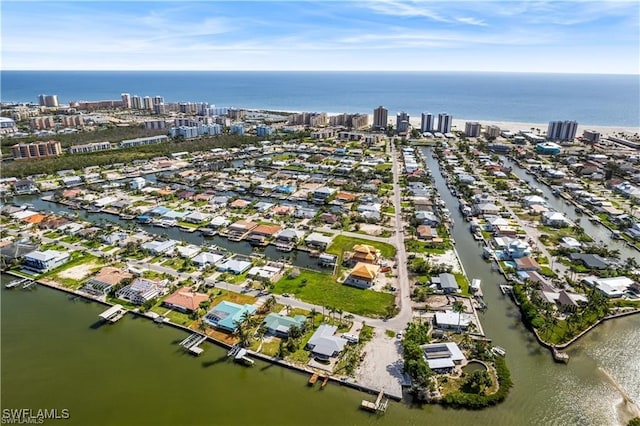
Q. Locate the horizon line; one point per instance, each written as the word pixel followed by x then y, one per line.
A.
pixel 325 71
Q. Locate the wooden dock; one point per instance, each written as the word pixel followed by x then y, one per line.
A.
pixel 324 382
pixel 379 406
pixel 313 379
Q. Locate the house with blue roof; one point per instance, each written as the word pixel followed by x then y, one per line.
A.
pixel 227 315
pixel 158 211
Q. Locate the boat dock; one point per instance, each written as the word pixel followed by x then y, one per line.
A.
pixel 313 379
pixel 113 314
pixel 379 406
pixel 192 343
pixel 24 282
pixel 239 354
pixel 506 289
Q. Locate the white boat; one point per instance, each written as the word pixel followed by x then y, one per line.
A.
pixel 475 285
pixel 497 350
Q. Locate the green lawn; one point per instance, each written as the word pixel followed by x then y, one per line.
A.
pixel 463 283
pixel 322 289
pixel 342 243
pixel 417 246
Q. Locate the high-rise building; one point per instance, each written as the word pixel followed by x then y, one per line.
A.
pixel 472 129
pixel 492 131
pixel 380 118
pixel 136 102
pixel 562 130
pixel 147 103
pixel 159 108
pixel 444 122
pixel 158 100
pixel 48 100
pixel 402 123
pixel 426 124
pixel 126 100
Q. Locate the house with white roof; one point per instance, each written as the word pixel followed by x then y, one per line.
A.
pixel 207 258
pixel 450 320
pixel 43 261
pixel 318 240
pixel 442 357
pixel 160 247
pixel 555 219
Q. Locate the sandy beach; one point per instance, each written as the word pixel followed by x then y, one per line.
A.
pixel 515 126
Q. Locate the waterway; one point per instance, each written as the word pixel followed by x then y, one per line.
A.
pixel 296 257
pixel 599 233
pixel 133 372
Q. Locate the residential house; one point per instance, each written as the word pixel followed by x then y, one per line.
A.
pixel 527 264
pixel 185 300
pixel 318 240
pixel 157 248
pixel 197 217
pixel 228 315
pixel 24 186
pixel 591 261
pixel 235 265
pixel 613 287
pixel 362 275
pixel 364 253
pixel 324 344
pixel 555 219
pixel 141 290
pixel 427 233
pixel 279 325
pixel 442 357
pixel 450 320
pixel 446 282
pixel 105 280
pixel 427 218
pixel 206 258
pixel 269 273
pixel 43 261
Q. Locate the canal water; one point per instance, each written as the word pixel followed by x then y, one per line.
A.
pixel 132 373
pixel 296 257
pixel 599 233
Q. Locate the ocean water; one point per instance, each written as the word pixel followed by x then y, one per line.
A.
pixel 606 100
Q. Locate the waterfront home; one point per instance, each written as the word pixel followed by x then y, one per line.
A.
pixel 590 260
pixel 206 258
pixel 43 261
pixel 363 275
pixel 114 238
pixel 219 222
pixel 634 231
pixel 267 231
pixel 141 290
pixel 305 213
pixel 283 210
pixel 137 183
pixel 485 209
pixel 527 264
pixel 234 265
pixel 442 357
pixel 279 325
pixel 105 280
pixel 160 247
pixel 196 217
pixel 450 320
pixel 227 315
pixel 446 282
pixel 15 250
pixel 185 300
pixel 555 219
pixel 324 344
pixel 24 186
pixel 289 235
pixel 318 240
pixel 613 287
pixel 240 228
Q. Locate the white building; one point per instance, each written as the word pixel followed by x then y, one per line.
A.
pixel 43 261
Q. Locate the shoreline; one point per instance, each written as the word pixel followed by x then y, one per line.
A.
pixel 350 383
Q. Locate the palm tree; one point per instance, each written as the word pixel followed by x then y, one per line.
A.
pixel 313 314
pixel 458 307
pixel 339 311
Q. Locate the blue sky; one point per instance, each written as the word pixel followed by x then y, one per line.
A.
pixel 526 36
